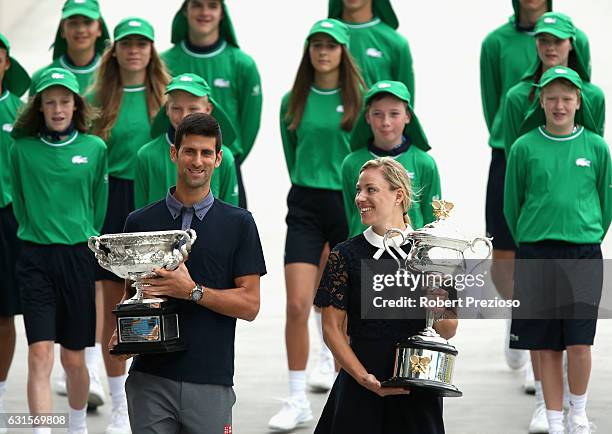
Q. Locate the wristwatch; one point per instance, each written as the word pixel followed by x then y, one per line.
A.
pixel 196 293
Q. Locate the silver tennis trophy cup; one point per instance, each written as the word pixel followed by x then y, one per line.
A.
pixel 425 361
pixel 144 325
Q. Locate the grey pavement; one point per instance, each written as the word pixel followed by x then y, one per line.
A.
pixel 445 38
pixel 493 401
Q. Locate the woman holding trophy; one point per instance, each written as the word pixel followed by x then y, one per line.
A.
pixel 60 191
pixel 358 402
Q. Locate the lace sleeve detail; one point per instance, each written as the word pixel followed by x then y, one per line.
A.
pixel 334 286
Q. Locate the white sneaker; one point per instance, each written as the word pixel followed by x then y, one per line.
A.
pixel 539 423
pixel 578 425
pixel 96 391
pixel 60 384
pixel 529 381
pixel 322 377
pixel 294 412
pixel 120 421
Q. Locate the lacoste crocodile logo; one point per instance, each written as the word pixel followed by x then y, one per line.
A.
pixel 79 159
pixel 221 82
pixel 373 52
pixel 583 162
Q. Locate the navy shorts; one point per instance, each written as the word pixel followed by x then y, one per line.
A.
pixel 496 222
pixel 120 205
pixel 559 285
pixel 9 252
pixel 315 216
pixel 58 294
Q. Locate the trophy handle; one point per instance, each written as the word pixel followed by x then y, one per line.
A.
pixel 388 249
pixel 180 254
pixel 94 245
pixel 487 242
pixel 189 236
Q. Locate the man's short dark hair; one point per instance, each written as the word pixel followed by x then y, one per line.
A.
pixel 198 124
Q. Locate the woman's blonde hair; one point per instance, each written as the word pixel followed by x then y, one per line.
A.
pixel 396 175
pixel 108 89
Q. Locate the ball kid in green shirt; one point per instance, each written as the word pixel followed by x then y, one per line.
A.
pixel 128 91
pixel 60 192
pixel 316 119
pixel 156 171
pixel 389 127
pixel 14 81
pixel 558 204
pixel 80 40
pixel 206 45
pixel 379 50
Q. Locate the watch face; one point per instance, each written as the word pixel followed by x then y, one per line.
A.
pixel 196 294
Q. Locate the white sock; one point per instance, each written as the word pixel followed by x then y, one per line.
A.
pixel 93 356
pixel 297 384
pixel 116 387
pixel 41 430
pixel 577 404
pixel 539 394
pixel 77 419
pixel 555 420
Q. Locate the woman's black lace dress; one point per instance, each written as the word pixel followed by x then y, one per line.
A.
pixel 351 408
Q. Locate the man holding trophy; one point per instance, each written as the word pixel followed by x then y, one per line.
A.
pixel 191 390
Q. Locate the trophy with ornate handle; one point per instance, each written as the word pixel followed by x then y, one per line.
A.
pixel 144 325
pixel 425 361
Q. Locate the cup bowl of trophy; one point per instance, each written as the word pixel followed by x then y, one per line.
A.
pixel 144 325
pixel 425 362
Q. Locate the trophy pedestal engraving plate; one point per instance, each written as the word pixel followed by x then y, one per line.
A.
pixel 144 325
pixel 425 362
pixel 145 328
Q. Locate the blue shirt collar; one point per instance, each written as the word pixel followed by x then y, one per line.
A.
pixel 176 207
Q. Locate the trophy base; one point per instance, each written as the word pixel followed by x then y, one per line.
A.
pixel 148 347
pixel 425 386
pixel 148 328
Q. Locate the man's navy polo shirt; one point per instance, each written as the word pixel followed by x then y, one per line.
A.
pixel 227 247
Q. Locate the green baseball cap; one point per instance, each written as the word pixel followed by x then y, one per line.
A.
pixel 362 133
pixel 180 26
pixel 16 79
pixel 334 28
pixel 191 83
pixel 560 72
pixel 87 8
pixel 556 24
pixel 195 85
pixel 56 77
pixel 380 8
pixel 134 26
pixel 579 40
